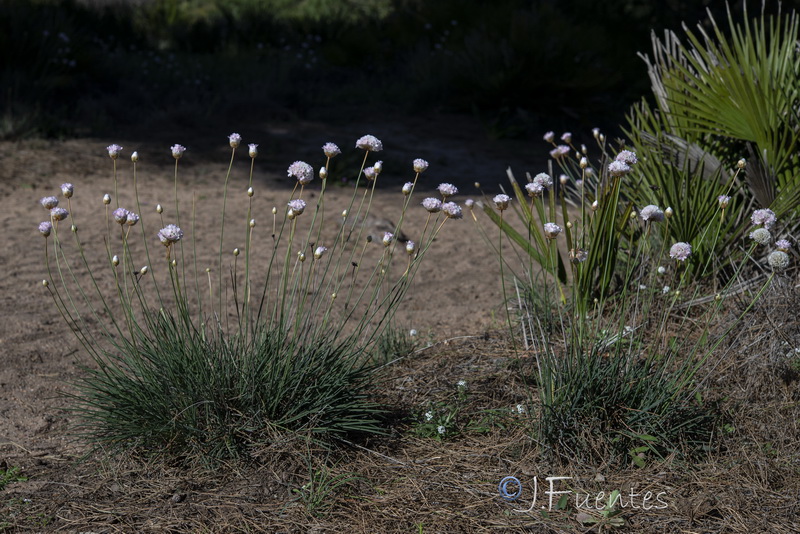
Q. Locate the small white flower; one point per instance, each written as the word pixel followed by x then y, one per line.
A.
pixel 665 290
pixel 462 384
pixel 521 409
pixel 441 430
pixel 661 269
pixel 413 332
pixel 429 416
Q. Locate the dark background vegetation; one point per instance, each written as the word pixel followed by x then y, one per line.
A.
pixel 72 68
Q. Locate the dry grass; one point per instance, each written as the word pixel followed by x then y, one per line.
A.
pixel 748 482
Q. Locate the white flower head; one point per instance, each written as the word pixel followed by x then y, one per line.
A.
pixel 234 140
pixel 407 187
pixel 302 171
pixel 651 213
pixel 369 143
pixel 420 165
pixel 778 260
pixel 761 236
pixel 501 201
pixel 331 150
pixel 447 190
pixel 452 210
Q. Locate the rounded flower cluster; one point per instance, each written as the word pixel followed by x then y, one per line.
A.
pixel 369 143
pixel 433 205
pixel 234 139
pixel 302 171
pixel 67 189
pixel 452 210
pixel 319 252
pixel 49 202
pixel 45 228
pixel 543 179
pixel 132 219
pixel 778 260
pixel 761 236
pixel 297 206
pixel 388 237
pixel 783 244
pixel 534 189
pixel 169 234
pixel 502 201
pixel 561 151
pixel 120 215
pixel 549 137
pixel 114 150
pixel 253 150
pixel 447 190
pixel 407 187
pixel 551 230
pixel 177 150
pixel 764 217
pixel 723 200
pixel 618 168
pixel 627 157
pixel 420 165
pixel 680 251
pixel 651 213
pixel 331 149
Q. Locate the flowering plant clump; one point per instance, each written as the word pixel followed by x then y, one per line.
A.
pixel 268 346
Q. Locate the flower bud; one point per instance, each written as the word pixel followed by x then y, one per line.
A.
pixel 274 211
pixel 344 214
pixel 135 157
pixel 159 209
pixel 106 199
pixel 253 150
pixel 234 139
pixel 45 283
pixel 584 162
pixel 115 260
pixel 236 252
pixel 407 187
pixel 250 191
pixel 74 229
pixel 323 173
pixel 668 213
pixel 741 163
pixel 301 256
pixel 174 263
pixel 144 270
pixel 477 185
pixel 411 247
pixel 595 205
pixel 252 223
pixel 563 179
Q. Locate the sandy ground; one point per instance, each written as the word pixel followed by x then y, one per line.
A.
pixel 456 292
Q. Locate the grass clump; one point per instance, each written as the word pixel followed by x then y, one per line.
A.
pixel 202 358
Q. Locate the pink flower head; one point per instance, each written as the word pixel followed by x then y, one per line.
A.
pixel 114 150
pixel 652 213
pixel 680 251
pixel 170 234
pixel 452 210
pixel 420 165
pixel 407 188
pixel 447 190
pixel 369 143
pixel 331 150
pixel 783 244
pixel 411 247
pixel 502 201
pixel 723 200
pixel 49 202
pixel 58 214
pixel 234 139
pixel 551 230
pixel 131 219
pixel 253 150
pixel 543 179
pixel 120 215
pixel 302 171
pixel 370 173
pixel 618 168
pixel 319 252
pixel 433 205
pixel 764 217
pixel 388 237
pixel 67 189
pixel 549 137
pixel 534 189
pixel 627 157
pixel 561 151
pixel 297 206
pixel 567 137
pixel 45 228
pixel 177 151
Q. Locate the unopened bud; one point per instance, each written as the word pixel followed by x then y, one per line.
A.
pixel 595 205
pixel 236 252
pixel 115 260
pixel 668 213
pixel 274 211
pixel 159 209
pixel 584 162
pixel 563 179
pixel 301 256
pixel 477 185
pixel 45 283
pixel 569 224
pixel 135 157
pixel 144 270
pixel 106 199
pixel 323 173
pixel 252 223
pixel 74 228
pixel 742 163
pixel 344 213
pixel 250 191
pixel 174 263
